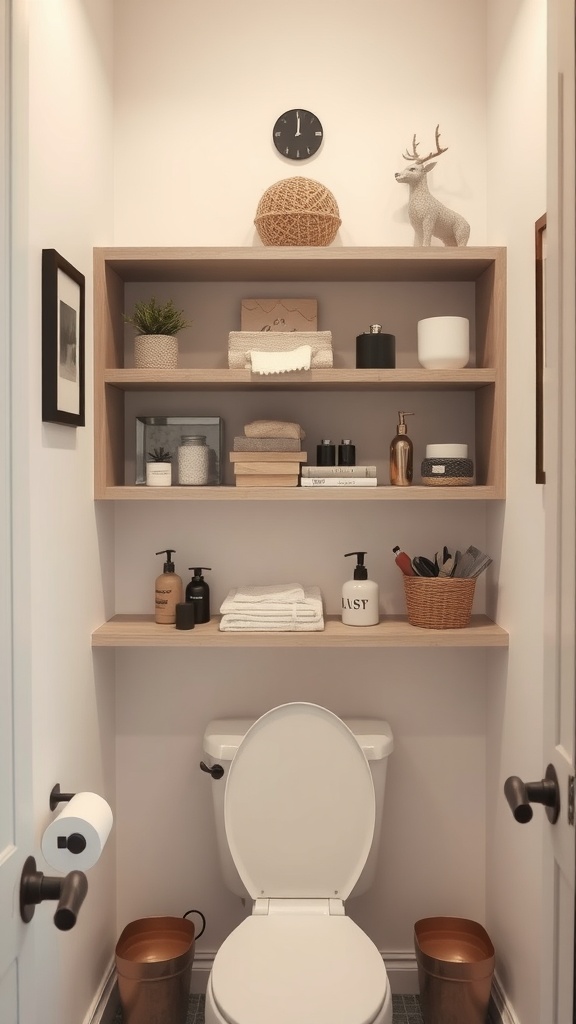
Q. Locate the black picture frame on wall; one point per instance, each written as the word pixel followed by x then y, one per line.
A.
pixel 63 325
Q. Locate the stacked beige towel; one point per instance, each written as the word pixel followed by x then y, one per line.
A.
pixel 286 607
pixel 264 461
pixel 274 428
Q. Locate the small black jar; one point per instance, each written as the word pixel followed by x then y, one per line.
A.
pixel 375 350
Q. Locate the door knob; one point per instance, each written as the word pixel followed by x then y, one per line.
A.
pixel 520 795
pixel 35 887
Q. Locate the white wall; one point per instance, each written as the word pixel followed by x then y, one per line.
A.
pixel 375 74
pixel 64 192
pixel 198 91
pixel 517 117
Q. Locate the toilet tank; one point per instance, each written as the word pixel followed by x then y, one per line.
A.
pixel 222 738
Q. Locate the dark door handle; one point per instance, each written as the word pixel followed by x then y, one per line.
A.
pixel 520 795
pixel 35 887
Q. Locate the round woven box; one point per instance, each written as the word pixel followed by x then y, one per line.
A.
pixel 297 211
pixel 439 472
pixel 439 603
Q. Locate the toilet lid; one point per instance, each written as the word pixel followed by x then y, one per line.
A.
pixel 299 805
pixel 285 968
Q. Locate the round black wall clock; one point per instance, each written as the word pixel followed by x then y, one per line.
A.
pixel 297 134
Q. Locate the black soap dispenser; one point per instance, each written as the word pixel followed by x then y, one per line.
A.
pixel 198 592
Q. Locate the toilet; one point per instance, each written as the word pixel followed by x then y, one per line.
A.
pixel 298 809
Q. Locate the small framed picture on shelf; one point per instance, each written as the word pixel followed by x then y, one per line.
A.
pixel 63 299
pixel 166 432
pixel 279 315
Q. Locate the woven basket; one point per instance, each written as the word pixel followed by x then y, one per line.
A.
pixel 297 211
pixel 439 603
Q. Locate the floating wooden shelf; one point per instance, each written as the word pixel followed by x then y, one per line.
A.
pixel 309 380
pixel 393 631
pixel 141 492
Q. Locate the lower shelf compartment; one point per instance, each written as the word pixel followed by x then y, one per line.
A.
pixel 392 631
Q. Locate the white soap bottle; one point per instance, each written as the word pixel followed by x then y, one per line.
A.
pixel 360 596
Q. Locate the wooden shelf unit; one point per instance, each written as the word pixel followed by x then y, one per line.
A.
pixel 116 267
pixel 392 631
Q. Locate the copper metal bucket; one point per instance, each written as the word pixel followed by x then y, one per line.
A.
pixel 154 959
pixel 455 968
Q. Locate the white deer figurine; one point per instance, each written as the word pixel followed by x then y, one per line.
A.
pixel 428 216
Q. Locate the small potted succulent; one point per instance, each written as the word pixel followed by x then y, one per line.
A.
pixel 156 325
pixel 159 468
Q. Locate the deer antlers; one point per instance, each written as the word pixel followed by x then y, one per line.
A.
pixel 413 156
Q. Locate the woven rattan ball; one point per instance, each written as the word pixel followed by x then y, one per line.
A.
pixel 297 211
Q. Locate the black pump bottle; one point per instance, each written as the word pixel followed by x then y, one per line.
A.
pixel 198 591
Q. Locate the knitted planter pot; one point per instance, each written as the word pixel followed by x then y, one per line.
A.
pixel 297 211
pixel 156 351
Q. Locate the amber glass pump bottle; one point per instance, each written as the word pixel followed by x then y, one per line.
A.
pixel 401 454
pixel 168 591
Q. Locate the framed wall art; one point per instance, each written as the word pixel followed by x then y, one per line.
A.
pixel 63 323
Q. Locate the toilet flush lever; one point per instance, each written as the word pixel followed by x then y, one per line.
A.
pixel 216 771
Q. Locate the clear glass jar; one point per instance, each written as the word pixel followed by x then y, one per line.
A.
pixel 193 460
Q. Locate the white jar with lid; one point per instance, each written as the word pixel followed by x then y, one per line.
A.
pixel 193 460
pixel 443 342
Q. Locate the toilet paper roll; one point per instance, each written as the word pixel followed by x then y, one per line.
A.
pixel 76 838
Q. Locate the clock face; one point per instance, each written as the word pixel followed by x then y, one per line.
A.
pixel 297 134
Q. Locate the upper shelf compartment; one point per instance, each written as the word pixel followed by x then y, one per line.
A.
pixel 352 285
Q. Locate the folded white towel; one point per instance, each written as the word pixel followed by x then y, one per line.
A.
pixel 284 592
pixel 228 624
pixel 279 615
pixel 281 362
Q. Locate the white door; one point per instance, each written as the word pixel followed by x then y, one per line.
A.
pixel 15 720
pixel 560 519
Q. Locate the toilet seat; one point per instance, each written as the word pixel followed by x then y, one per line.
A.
pixel 299 805
pixel 271 967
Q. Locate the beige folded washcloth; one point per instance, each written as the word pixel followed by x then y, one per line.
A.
pixel 281 362
pixel 266 444
pixel 274 428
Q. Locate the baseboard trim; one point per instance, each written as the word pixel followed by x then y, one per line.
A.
pixel 401 968
pixel 501 1011
pixel 106 1002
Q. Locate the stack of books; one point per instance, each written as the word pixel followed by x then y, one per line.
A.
pixel 339 476
pixel 267 462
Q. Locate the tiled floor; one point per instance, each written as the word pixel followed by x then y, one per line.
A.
pixel 406 1010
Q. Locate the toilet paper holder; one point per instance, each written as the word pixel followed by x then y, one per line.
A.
pixel 56 797
pixel 75 842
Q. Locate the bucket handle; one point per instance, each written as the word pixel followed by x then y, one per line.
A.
pixel 200 915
